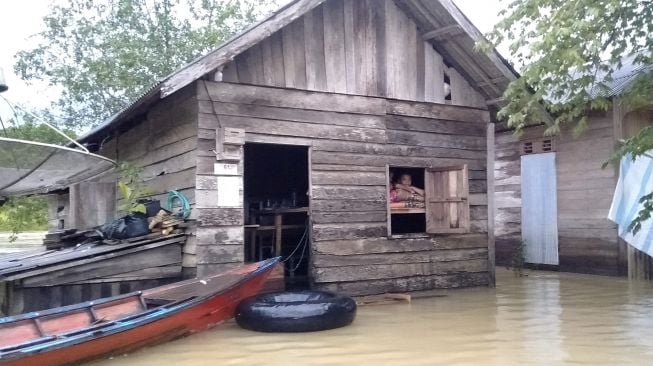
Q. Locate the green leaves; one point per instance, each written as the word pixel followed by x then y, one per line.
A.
pixel 20 214
pixel 106 53
pixel 131 188
pixel 643 215
pixel 125 191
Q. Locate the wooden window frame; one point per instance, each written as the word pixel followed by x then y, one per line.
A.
pixel 461 198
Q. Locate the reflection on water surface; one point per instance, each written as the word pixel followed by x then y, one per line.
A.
pixel 543 319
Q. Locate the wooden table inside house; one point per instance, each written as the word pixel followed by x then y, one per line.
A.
pixel 278 226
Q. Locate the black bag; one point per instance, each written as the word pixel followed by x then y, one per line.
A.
pixel 126 227
pixel 152 207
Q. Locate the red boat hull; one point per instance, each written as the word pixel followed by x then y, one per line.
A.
pixel 195 318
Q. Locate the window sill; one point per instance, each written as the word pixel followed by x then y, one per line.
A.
pixel 402 211
pixel 410 236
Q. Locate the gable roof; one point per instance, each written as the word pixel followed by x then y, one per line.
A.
pixel 489 73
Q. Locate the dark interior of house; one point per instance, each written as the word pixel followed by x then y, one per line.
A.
pixel 276 207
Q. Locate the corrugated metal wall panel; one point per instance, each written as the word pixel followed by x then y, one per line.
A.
pixel 539 208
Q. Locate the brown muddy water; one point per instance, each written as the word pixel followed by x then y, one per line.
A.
pixel 543 319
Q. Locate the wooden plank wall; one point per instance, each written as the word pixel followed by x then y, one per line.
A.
pixel 94 204
pixel 164 144
pixel 352 138
pixel 587 239
pixel 58 210
pixel 362 47
pixel 507 193
pixel 18 300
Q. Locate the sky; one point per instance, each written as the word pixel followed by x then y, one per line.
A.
pixel 20 19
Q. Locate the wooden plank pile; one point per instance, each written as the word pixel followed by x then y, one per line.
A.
pixel 166 223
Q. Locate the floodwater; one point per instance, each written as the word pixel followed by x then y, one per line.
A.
pixel 542 319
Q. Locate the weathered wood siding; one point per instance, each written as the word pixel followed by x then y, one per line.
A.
pixel 587 239
pixel 19 300
pixel 351 140
pixel 362 47
pixel 163 142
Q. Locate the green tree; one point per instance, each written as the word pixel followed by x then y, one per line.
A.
pixel 19 214
pixel 570 50
pixel 105 53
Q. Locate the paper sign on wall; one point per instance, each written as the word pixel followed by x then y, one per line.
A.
pixel 229 192
pixel 225 169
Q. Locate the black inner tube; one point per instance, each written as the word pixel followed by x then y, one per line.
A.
pixel 296 297
pixel 304 311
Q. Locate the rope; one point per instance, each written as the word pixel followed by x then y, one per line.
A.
pixel 39 119
pixel 299 262
pixel 185 204
pixel 299 244
pixel 13 156
pixel 303 243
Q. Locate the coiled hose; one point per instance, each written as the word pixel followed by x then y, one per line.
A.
pixel 184 203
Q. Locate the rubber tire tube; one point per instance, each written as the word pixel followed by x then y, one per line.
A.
pixel 299 311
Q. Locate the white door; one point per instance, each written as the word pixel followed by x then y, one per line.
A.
pixel 539 213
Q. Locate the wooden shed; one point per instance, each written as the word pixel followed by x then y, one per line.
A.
pixel 552 193
pixel 285 140
pixel 44 279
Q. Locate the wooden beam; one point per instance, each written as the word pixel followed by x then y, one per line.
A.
pixel 490 206
pixel 625 252
pixel 495 101
pixel 476 35
pixel 493 81
pixel 470 64
pixel 454 29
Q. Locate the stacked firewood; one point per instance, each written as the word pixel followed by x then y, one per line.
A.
pixel 165 223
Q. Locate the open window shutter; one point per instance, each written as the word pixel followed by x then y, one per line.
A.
pixel 447 200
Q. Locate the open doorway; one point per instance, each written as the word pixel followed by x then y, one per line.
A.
pixel 276 208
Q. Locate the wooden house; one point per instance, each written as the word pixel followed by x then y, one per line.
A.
pixel 553 194
pixel 285 139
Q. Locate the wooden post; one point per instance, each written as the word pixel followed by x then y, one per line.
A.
pixel 278 227
pixel 490 205
pixel 623 254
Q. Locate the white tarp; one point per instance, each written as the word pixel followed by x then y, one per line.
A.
pixel 635 181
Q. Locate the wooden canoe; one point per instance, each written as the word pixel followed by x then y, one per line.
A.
pixel 120 324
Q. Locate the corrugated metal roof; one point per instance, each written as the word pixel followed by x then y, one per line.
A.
pixel 623 77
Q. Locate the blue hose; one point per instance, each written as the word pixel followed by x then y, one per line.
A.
pixel 185 205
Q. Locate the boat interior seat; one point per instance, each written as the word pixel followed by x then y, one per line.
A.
pixel 151 303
